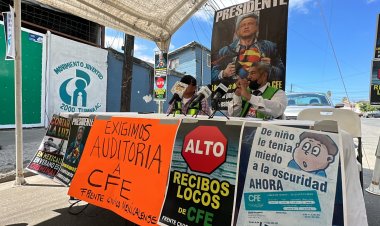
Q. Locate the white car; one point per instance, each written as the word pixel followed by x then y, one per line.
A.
pixel 300 101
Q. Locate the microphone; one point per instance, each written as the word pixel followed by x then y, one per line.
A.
pixel 177 90
pixel 220 90
pixel 203 93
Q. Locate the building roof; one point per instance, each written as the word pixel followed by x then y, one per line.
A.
pixel 189 45
pixel 120 56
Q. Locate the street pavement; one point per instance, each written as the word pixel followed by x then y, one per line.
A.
pixel 44 202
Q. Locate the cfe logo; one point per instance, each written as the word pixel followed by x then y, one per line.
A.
pixel 204 149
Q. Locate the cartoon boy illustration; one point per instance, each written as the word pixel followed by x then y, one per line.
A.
pixel 314 153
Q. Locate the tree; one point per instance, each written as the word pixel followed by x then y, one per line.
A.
pixel 366 107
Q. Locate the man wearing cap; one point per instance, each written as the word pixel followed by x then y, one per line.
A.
pixel 234 60
pixel 255 98
pixel 188 96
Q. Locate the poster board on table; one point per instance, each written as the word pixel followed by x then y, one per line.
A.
pixel 79 130
pixel 203 173
pixel 48 158
pixel 288 175
pixel 125 165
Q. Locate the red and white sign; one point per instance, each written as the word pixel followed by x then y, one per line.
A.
pixel 204 149
pixel 160 82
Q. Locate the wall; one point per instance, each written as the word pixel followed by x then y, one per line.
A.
pixel 190 63
pixel 142 84
pixel 187 62
pixel 33 72
pixel 115 70
pixel 201 56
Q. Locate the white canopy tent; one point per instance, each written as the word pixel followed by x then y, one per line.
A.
pixel 155 20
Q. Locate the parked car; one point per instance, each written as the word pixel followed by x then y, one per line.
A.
pixel 373 114
pixel 300 101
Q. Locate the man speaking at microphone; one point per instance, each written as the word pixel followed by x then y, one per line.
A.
pixel 188 96
pixel 255 98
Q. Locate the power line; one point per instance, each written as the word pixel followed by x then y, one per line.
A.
pixel 211 18
pixel 196 33
pixel 215 4
pixel 208 37
pixel 209 3
pixel 333 49
pixel 224 6
pixel 318 46
pixel 333 79
pixel 233 3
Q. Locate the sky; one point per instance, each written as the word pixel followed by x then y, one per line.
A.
pixel 311 65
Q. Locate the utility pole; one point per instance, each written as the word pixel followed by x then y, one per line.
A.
pixel 126 83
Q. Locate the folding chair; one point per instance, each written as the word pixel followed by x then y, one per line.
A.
pixel 346 119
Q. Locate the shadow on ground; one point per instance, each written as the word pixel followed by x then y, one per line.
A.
pixel 372 202
pixel 86 215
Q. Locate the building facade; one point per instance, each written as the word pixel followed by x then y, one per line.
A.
pixel 192 59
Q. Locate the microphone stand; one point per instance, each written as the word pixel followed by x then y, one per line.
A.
pixel 175 108
pixel 216 107
pixel 198 110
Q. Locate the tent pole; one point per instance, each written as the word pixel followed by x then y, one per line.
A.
pixel 18 95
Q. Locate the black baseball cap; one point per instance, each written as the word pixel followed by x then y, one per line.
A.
pixel 188 79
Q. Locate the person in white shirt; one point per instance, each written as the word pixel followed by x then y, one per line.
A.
pixel 254 97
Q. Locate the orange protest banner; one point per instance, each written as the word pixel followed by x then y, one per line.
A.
pixel 125 166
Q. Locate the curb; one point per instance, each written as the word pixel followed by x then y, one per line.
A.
pixel 12 176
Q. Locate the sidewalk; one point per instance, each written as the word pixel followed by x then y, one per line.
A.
pixel 31 140
pixel 44 202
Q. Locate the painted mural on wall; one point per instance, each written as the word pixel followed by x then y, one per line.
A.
pixel 77 76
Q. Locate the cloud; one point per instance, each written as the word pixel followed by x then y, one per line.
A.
pixel 140 47
pixel 143 49
pixel 371 1
pixel 206 13
pixel 146 58
pixel 299 6
pixel 114 42
pixel 171 47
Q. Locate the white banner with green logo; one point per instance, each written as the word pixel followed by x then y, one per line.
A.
pixel 77 75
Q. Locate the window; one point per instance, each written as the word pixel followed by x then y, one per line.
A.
pixel 308 99
pixel 208 60
pixel 174 63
